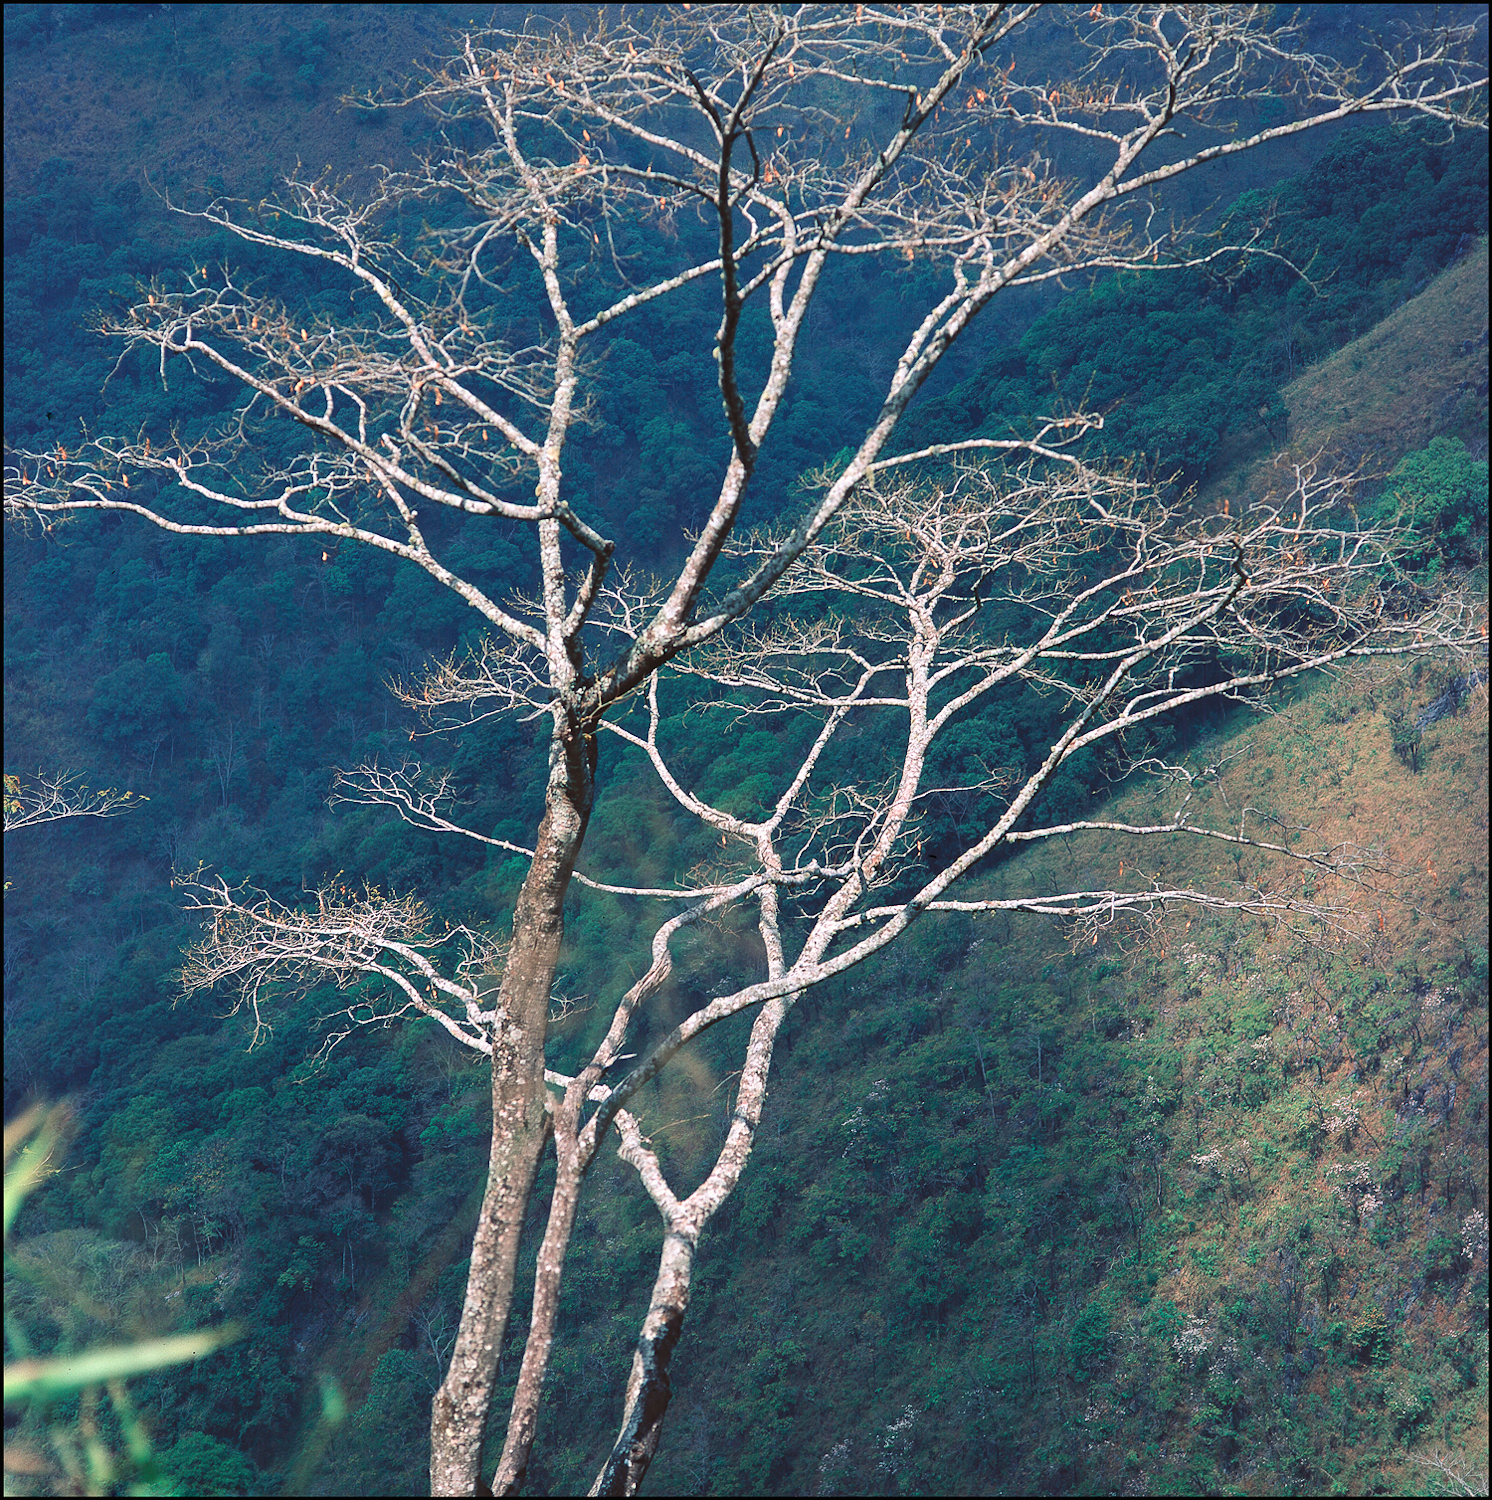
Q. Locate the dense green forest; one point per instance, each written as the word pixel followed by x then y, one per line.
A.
pixel 1218 1200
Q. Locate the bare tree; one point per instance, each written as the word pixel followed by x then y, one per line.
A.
pixel 1451 1472
pixel 50 796
pixel 800 138
pixel 225 754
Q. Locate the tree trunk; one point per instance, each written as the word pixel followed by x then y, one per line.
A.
pixel 649 1388
pixel 520 1120
pixel 513 1465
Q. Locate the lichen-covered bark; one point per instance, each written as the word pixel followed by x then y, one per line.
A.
pixel 520 1121
pixel 649 1387
pixel 548 1274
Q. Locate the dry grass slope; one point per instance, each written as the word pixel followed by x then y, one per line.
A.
pixel 1421 372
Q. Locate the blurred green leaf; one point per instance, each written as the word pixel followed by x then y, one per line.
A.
pixel 53 1377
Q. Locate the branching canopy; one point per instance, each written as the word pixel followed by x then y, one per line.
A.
pixel 913 585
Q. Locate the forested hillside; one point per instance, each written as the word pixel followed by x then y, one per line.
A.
pixel 1193 1208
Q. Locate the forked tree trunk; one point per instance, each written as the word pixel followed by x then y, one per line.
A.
pixel 520 1121
pixel 650 1388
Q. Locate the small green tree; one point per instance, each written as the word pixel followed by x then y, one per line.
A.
pixel 202 1465
pixel 1443 491
pixel 1089 1344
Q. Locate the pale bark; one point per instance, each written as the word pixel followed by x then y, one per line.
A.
pixel 648 1386
pixel 520 1119
pixel 417 401
pixel 576 1144
pixel 52 796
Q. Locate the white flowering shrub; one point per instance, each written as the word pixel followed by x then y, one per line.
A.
pixel 895 1443
pixel 1473 1234
pixel 1346 1115
pixel 1192 1341
pixel 835 1468
pixel 859 1122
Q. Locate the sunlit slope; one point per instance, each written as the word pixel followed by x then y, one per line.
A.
pixel 1179 1211
pixel 1193 1208
pixel 1419 373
